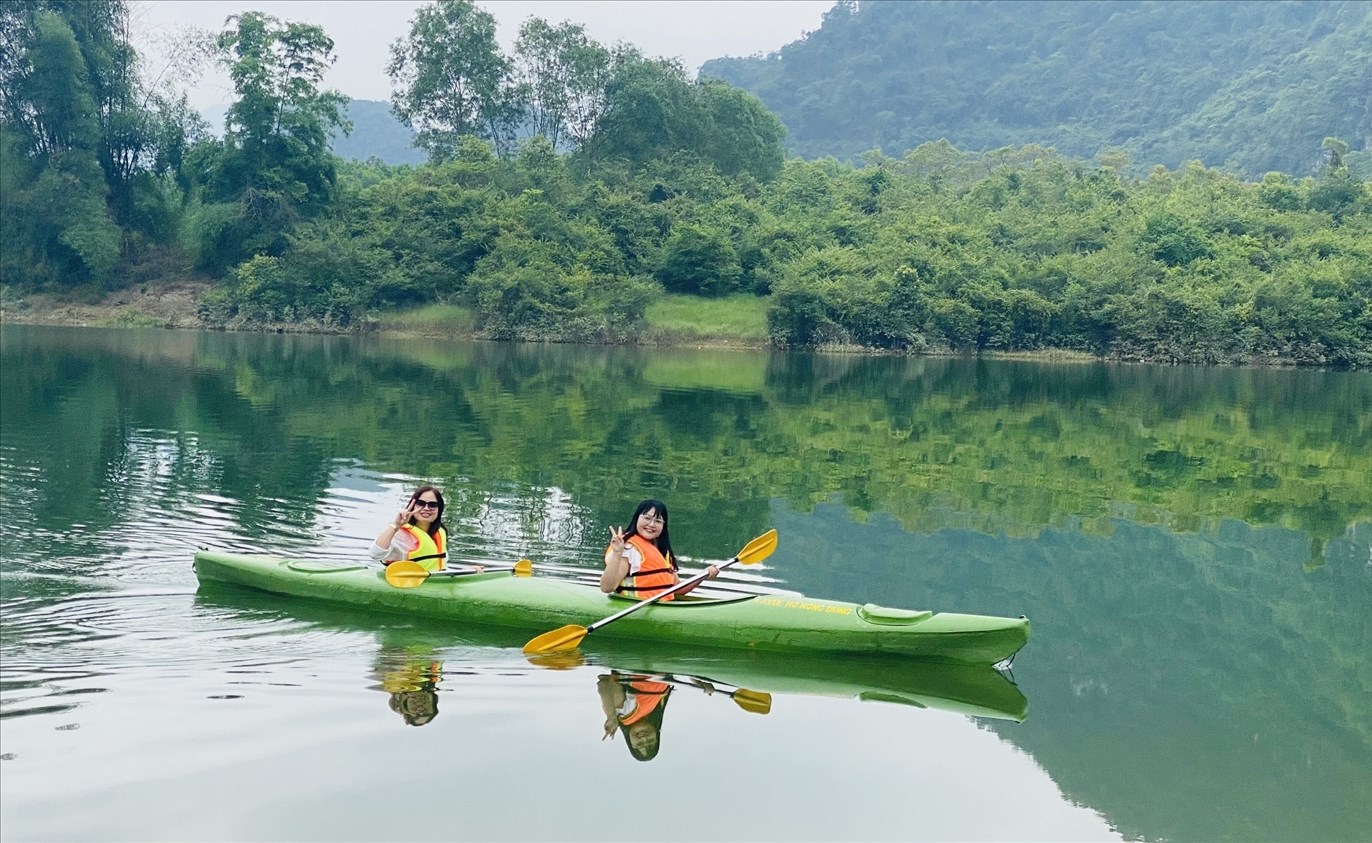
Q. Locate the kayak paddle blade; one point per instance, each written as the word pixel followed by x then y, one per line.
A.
pixel 562 638
pixel 406 574
pixel 524 568
pixel 758 702
pixel 758 549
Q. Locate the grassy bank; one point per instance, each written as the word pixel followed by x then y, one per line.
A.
pixel 735 321
pixel 671 320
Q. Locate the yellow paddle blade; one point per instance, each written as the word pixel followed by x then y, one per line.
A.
pixel 758 702
pixel 524 568
pixel 562 638
pixel 759 548
pixel 406 574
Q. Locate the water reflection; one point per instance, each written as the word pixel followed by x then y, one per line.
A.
pixel 634 705
pixel 409 666
pixel 1193 544
pixel 410 676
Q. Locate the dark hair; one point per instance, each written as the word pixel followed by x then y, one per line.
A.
pixel 663 542
pixel 416 707
pixel 438 519
pixel 653 719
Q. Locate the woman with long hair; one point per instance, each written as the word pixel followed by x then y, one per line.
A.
pixel 639 561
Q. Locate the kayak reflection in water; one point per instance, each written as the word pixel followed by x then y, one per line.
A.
pixel 634 704
pixel 411 678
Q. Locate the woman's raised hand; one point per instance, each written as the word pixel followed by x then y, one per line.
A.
pixel 617 539
pixel 403 517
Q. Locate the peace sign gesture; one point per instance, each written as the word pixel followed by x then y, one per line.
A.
pixel 617 539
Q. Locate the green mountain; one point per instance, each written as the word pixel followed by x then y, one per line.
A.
pixel 376 133
pixel 1251 85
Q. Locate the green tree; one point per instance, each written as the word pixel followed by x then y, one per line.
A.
pixel 653 111
pixel 650 111
pixel 57 222
pixel 700 262
pixel 561 77
pixel 742 136
pixel 273 167
pixel 1337 149
pixel 141 126
pixel 450 78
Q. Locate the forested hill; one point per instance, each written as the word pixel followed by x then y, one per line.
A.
pixel 1252 85
pixel 376 133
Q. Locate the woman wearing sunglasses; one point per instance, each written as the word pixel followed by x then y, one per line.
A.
pixel 639 561
pixel 417 533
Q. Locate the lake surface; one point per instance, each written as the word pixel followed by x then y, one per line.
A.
pixel 1193 546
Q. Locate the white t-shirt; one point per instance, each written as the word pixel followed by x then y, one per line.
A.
pixel 635 558
pixel 394 553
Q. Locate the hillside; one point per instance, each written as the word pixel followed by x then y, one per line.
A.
pixel 1249 85
pixel 376 133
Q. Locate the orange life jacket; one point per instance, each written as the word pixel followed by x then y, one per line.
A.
pixel 431 551
pixel 647 696
pixel 654 575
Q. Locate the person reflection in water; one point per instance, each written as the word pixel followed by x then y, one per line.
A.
pixel 411 679
pixel 634 705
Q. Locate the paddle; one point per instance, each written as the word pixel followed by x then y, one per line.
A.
pixel 405 574
pixel 757 702
pixel 591 579
pixel 568 637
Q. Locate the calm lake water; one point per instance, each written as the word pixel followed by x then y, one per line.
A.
pixel 1193 546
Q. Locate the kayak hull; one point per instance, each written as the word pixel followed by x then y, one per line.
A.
pixel 778 623
pixel 972 690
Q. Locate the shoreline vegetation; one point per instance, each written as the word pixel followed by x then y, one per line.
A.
pixel 173 306
pixel 596 195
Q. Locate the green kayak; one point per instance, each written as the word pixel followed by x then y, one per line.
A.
pixel 972 690
pixel 764 622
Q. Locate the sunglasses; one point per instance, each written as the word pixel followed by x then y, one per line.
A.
pixel 426 504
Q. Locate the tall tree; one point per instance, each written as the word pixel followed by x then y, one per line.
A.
pixel 57 225
pixel 743 137
pixel 653 110
pixel 141 127
pixel 560 79
pixel 451 79
pixel 273 165
pixel 650 111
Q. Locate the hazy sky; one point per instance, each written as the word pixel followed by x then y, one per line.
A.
pixel 363 30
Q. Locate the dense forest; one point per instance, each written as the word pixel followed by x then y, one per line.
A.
pixel 569 185
pixel 1248 85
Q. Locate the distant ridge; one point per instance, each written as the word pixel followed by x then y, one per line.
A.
pixel 376 133
pixel 1249 85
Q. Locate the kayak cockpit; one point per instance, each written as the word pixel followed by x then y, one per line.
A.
pixel 689 600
